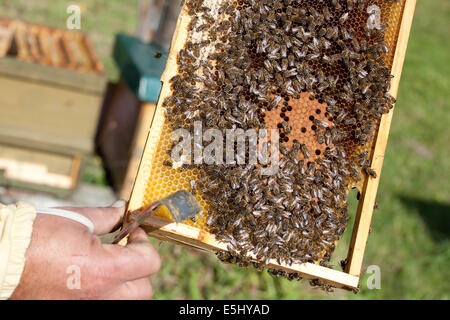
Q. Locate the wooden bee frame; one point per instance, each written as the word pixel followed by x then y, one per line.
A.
pixel 203 240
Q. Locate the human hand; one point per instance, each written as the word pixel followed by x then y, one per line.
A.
pixel 65 261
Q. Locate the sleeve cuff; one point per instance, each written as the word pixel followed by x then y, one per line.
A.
pixel 16 226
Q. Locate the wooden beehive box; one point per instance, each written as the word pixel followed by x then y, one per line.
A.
pixel 51 92
pixel 44 171
pixel 155 181
pixel 51 86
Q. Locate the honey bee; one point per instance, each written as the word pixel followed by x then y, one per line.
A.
pixel 304 150
pixel 370 172
pixel 326 14
pixel 343 264
pixel 336 4
pixel 321 123
pixel 320 137
pixel 349 121
pixel 343 18
pixel 192 184
pixel 350 4
pixel 167 163
pixel 332 33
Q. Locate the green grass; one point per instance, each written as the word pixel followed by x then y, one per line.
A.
pixel 410 232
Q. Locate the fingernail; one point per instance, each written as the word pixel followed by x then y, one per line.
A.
pixel 119 204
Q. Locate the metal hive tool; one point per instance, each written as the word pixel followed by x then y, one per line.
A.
pixel 181 205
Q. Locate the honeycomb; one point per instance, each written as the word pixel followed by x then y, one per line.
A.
pixel 164 180
pixel 300 113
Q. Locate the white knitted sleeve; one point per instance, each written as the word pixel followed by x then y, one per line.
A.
pixel 16 226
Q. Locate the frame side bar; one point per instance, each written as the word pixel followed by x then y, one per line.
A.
pixel 365 206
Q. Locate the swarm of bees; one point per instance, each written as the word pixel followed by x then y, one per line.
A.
pixel 244 59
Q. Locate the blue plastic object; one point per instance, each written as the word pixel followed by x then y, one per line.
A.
pixel 141 66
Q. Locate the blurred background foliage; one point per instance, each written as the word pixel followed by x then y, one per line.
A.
pixel 410 230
